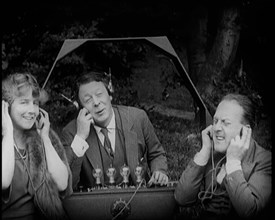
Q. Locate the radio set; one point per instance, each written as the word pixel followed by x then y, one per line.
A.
pixel 122 201
pixel 111 172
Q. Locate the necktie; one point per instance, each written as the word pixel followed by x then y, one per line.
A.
pixel 107 142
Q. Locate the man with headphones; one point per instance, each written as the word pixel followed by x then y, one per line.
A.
pixel 230 177
pixel 130 139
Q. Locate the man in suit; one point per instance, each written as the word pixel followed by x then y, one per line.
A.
pixel 230 177
pixel 130 140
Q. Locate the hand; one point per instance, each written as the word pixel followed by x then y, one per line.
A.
pixel 43 124
pixel 239 145
pixel 158 178
pixel 207 141
pixel 84 120
pixel 7 126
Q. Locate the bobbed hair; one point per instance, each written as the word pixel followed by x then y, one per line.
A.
pixel 17 84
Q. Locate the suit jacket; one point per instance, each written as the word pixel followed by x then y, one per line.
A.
pixel 140 142
pixel 248 191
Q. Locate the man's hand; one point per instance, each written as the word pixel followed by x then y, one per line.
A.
pixel 7 126
pixel 239 145
pixel 84 120
pixel 203 156
pixel 158 178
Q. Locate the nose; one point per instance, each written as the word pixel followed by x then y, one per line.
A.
pixel 96 101
pixel 217 126
pixel 33 108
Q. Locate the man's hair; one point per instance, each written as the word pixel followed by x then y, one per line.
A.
pixel 15 85
pixel 249 113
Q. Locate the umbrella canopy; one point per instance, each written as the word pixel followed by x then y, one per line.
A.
pixel 160 42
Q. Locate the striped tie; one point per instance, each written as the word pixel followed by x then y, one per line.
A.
pixel 107 142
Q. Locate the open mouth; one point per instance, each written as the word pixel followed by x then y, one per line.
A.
pixel 28 118
pixel 100 112
pixel 219 138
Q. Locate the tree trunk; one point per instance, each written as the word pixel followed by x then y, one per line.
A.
pixel 197 41
pixel 220 57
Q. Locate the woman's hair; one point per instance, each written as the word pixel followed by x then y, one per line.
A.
pixel 249 112
pixel 16 85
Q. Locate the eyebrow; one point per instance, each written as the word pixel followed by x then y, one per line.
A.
pixel 222 119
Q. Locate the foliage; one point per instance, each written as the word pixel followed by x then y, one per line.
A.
pixel 36 54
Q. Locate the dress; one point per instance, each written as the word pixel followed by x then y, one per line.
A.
pixel 28 198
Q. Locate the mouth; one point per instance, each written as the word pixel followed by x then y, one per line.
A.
pixel 100 112
pixel 219 138
pixel 29 118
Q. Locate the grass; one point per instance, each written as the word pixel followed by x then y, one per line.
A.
pixel 180 139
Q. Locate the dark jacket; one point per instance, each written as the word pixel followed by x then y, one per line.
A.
pixel 247 191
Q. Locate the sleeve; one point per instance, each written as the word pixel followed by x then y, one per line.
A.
pixel 74 161
pixel 189 185
pixel 57 144
pixel 156 154
pixel 249 197
pixel 6 194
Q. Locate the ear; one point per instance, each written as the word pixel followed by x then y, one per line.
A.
pixel 75 103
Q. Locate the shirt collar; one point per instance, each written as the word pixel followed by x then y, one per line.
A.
pixel 111 125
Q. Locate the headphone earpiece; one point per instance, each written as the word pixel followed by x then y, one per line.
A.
pixel 110 87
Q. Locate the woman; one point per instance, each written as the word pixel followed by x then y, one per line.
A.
pixel 35 171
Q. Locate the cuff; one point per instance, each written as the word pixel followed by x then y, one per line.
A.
pixel 232 165
pixel 200 159
pixel 79 146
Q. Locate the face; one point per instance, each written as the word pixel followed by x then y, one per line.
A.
pixel 24 110
pixel 226 124
pixel 95 98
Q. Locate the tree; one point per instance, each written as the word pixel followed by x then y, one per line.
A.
pixel 209 67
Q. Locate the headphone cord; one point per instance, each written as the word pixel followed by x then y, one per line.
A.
pixel 208 194
pixel 126 205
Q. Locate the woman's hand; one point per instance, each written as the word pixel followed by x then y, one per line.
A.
pixel 43 124
pixel 7 126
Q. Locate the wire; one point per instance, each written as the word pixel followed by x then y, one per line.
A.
pixel 118 214
pixel 208 194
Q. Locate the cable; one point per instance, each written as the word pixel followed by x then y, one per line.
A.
pixel 208 194
pixel 129 200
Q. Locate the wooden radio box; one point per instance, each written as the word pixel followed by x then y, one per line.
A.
pixel 129 203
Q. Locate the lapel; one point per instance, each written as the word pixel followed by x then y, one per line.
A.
pixel 93 152
pixel 247 163
pixel 131 143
